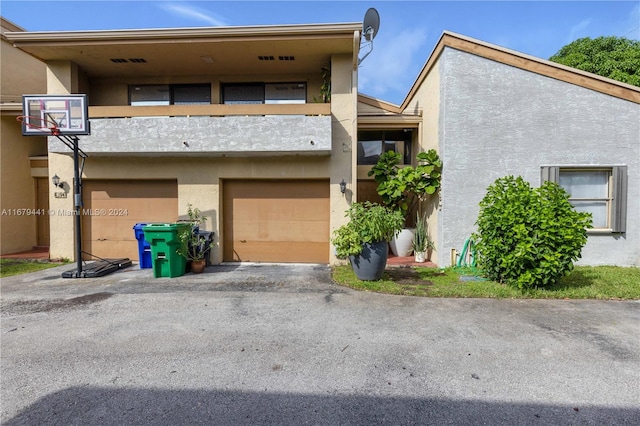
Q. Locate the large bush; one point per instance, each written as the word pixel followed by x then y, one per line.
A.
pixel 528 237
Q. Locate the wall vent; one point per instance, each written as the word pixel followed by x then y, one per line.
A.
pixel 266 58
pixel 118 60
pixel 138 60
pixel 286 58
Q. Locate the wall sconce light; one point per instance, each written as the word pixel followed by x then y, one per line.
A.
pixel 56 181
pixel 343 186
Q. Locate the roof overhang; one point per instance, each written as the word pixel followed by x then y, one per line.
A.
pixel 192 51
pixel 525 62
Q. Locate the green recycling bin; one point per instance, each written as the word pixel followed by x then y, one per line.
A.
pixel 164 239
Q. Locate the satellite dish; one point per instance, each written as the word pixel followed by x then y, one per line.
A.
pixel 370 26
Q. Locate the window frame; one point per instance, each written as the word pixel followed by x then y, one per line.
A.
pixel 407 158
pixel 617 192
pixel 263 86
pixel 171 89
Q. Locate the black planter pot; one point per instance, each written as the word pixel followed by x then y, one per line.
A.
pixel 369 265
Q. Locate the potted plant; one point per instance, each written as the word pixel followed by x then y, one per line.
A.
pixel 325 88
pixel 422 244
pixel 193 247
pixel 365 237
pixel 404 188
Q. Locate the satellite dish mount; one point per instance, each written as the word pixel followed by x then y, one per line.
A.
pixel 370 26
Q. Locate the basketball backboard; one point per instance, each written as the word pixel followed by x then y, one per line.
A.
pixel 46 115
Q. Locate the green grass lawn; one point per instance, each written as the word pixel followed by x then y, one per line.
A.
pixel 9 267
pixel 585 282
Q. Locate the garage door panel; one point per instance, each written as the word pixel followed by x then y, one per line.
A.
pixel 281 231
pixel 276 221
pixel 111 249
pixel 166 189
pixel 115 206
pixel 113 229
pixel 270 251
pixel 279 208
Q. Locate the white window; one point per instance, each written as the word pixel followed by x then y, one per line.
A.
pixel 601 191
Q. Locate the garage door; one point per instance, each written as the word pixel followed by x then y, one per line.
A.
pixel 276 221
pixel 116 206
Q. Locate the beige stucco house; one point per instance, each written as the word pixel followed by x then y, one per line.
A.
pixel 224 119
pixel 228 119
pixel 24 181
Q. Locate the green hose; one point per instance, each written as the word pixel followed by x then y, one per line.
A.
pixel 470 248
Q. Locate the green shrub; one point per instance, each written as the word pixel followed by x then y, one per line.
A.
pixel 528 237
pixel 403 187
pixel 368 223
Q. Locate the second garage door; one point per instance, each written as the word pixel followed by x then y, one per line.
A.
pixel 116 206
pixel 276 221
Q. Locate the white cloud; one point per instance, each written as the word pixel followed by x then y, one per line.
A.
pixel 390 69
pixel 631 28
pixel 195 13
pixel 579 30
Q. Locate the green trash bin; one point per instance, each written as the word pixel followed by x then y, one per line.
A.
pixel 164 239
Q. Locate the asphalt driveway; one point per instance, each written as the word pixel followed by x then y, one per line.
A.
pixel 282 344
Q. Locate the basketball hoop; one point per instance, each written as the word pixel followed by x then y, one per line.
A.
pixel 64 117
pixel 39 123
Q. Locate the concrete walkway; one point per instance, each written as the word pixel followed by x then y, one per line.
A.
pixel 282 344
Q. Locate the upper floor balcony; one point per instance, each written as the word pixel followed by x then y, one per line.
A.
pixel 207 130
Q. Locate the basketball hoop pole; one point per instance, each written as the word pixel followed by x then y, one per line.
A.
pixel 72 142
pixel 77 202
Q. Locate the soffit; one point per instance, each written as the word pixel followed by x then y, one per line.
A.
pixel 233 50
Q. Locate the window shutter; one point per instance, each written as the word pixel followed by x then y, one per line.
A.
pixel 619 203
pixel 550 173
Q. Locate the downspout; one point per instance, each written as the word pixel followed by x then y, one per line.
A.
pixel 354 141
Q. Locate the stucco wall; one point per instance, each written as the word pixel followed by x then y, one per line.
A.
pixel 207 135
pixel 497 120
pixel 344 118
pixel 20 74
pixel 427 101
pixel 18 229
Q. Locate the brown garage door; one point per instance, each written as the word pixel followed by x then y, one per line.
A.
pixel 116 206
pixel 276 221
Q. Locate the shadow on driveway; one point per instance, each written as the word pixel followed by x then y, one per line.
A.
pixel 102 406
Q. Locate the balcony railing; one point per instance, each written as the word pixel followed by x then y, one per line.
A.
pixel 208 110
pixel 207 130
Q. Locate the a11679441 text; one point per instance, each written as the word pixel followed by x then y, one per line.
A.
pixel 64 212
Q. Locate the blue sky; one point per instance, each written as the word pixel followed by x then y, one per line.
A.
pixel 409 30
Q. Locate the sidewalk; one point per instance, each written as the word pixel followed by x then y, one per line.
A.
pixel 37 253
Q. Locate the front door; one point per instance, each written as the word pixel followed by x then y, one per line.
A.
pixel 42 206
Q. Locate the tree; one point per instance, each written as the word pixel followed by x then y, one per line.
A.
pixel 617 58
